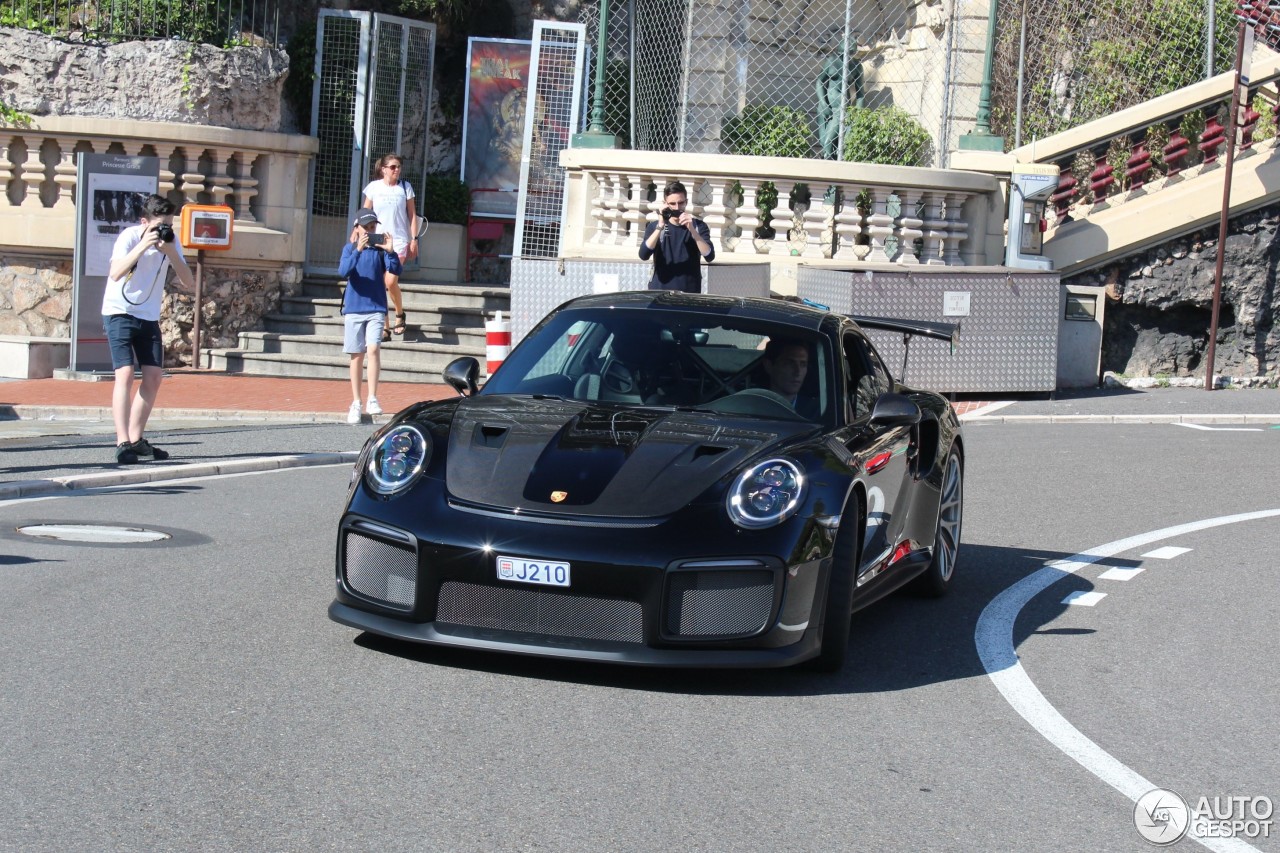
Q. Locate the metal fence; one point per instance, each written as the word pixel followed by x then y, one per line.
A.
pixel 889 82
pixel 1061 63
pixel 225 23
pixel 858 79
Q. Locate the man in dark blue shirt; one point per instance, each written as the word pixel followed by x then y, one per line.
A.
pixel 676 242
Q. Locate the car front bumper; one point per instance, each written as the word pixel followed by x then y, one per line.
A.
pixel 630 602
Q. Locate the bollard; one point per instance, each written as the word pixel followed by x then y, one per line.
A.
pixel 497 339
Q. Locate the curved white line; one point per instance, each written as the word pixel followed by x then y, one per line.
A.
pixel 994 638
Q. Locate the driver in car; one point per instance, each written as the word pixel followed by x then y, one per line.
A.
pixel 786 363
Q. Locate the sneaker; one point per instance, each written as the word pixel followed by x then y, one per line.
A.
pixel 353 414
pixel 146 450
pixel 373 407
pixel 125 454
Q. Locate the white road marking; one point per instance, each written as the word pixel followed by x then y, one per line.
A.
pixel 1080 598
pixel 1168 552
pixel 994 639
pixel 1119 574
pixel 160 484
pixel 1219 429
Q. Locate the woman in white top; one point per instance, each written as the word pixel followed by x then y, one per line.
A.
pixel 392 199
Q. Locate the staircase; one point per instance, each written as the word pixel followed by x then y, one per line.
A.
pixel 444 321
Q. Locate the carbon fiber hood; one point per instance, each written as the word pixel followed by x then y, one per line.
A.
pixel 570 457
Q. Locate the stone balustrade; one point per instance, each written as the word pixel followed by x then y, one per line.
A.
pixel 261 176
pixel 824 212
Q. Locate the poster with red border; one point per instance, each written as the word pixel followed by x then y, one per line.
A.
pixel 493 122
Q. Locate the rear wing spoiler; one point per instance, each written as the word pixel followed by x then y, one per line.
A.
pixel 942 331
pixel 949 332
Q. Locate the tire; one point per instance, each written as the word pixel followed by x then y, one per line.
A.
pixel 936 579
pixel 837 615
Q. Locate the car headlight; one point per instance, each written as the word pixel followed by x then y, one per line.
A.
pixel 766 494
pixel 397 460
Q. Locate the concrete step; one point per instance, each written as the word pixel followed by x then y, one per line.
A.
pixel 485 297
pixel 331 344
pixel 293 308
pixel 297 326
pixel 324 367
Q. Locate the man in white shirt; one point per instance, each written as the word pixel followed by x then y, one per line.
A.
pixel 140 265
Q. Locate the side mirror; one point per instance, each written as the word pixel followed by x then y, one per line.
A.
pixel 462 374
pixel 893 410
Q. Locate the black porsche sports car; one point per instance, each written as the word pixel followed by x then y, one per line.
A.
pixel 658 478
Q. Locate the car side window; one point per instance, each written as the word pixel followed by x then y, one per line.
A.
pixel 866 376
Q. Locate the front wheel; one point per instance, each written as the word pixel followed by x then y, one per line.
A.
pixel 946 542
pixel 838 613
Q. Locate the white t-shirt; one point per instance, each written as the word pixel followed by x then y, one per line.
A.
pixel 141 292
pixel 391 203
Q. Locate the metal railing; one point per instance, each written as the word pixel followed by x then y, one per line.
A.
pixel 224 23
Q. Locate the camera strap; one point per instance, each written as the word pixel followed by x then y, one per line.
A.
pixel 164 268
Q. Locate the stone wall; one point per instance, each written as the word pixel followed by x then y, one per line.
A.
pixel 232 301
pixel 1159 304
pixel 35 296
pixel 151 81
pixel 35 300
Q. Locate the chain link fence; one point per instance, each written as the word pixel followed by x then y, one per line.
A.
pixel 1061 63
pixel 865 80
pixel 889 81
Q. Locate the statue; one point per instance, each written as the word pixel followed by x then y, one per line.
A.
pixel 830 84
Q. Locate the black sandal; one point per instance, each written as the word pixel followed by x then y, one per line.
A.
pixel 399 327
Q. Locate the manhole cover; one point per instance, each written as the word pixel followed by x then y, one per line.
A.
pixel 92 533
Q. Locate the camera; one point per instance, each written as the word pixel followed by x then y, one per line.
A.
pixel 164 232
pixel 670 213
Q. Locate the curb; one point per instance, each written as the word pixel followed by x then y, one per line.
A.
pixel 63 485
pixel 977 417
pixel 102 413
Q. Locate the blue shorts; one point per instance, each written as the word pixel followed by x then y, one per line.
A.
pixel 362 332
pixel 133 339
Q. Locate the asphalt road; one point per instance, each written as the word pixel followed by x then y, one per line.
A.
pixel 191 694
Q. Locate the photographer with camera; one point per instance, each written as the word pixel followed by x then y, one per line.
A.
pixel 367 259
pixel 676 242
pixel 136 279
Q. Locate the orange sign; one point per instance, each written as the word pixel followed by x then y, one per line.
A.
pixel 207 226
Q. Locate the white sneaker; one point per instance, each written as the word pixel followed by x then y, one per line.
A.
pixel 373 407
pixel 353 414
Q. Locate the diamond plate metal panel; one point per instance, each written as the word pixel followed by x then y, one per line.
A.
pixel 736 279
pixel 540 286
pixel 1008 342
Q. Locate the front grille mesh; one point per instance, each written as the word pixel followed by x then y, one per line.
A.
pixel 720 603
pixel 539 612
pixel 381 570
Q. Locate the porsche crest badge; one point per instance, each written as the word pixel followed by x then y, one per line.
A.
pixel 558 496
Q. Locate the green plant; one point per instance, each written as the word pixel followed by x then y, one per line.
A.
pixel 769 131
pixel 302 74
pixel 13 117
pixel 887 135
pixel 185 75
pixel 445 199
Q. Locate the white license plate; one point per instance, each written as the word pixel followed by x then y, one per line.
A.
pixel 533 571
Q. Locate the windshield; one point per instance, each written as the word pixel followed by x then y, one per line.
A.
pixel 682 359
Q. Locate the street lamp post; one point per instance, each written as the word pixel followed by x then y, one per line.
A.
pixel 981 138
pixel 595 135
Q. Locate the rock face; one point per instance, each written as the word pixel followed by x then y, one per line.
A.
pixel 152 81
pixel 1159 303
pixel 232 301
